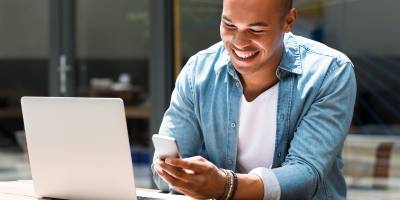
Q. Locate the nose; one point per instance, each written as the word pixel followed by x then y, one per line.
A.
pixel 241 40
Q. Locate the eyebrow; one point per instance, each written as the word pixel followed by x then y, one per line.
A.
pixel 252 24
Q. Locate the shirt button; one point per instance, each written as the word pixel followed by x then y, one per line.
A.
pixel 279 155
pixel 233 124
pixel 229 162
pixel 237 84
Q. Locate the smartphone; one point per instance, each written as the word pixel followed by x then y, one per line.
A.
pixel 165 146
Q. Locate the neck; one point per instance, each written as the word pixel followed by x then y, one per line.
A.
pixel 256 83
pixel 252 88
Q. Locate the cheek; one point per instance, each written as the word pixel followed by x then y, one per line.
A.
pixel 221 32
pixel 269 43
pixel 264 43
pixel 225 35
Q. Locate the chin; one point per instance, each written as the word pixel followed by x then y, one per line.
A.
pixel 245 70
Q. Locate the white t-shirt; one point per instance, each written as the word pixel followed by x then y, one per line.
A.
pixel 257 130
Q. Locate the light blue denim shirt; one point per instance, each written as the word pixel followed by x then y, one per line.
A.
pixel 317 91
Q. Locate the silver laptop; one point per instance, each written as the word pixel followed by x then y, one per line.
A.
pixel 78 147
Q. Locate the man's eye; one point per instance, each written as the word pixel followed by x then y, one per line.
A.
pixel 257 31
pixel 229 26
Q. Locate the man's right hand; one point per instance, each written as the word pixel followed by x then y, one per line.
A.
pixel 194 176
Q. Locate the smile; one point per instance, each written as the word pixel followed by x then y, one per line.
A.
pixel 244 54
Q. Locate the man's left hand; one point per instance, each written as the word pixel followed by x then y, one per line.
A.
pixel 194 176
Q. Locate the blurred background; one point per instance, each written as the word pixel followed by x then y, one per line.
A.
pixel 133 49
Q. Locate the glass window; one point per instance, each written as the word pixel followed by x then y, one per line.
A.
pixel 24 57
pixel 112 47
pixel 364 31
pixel 199 17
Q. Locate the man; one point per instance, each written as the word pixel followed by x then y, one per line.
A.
pixel 269 105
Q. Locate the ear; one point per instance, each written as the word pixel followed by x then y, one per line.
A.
pixel 290 19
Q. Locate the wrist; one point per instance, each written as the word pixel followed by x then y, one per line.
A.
pixel 223 183
pixel 249 187
pixel 230 186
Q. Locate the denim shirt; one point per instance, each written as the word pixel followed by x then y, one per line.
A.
pixel 317 89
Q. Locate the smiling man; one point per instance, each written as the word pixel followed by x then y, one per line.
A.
pixel 262 114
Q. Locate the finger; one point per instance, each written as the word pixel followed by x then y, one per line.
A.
pixel 196 158
pixel 160 160
pixel 193 165
pixel 176 183
pixel 158 168
pixel 184 191
pixel 176 172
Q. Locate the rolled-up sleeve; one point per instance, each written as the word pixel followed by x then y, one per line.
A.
pixel 272 189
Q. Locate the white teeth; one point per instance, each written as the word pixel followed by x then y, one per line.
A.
pixel 244 55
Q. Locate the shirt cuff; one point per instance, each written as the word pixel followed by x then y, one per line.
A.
pixel 272 189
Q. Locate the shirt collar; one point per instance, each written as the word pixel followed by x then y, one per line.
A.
pixel 223 60
pixel 291 59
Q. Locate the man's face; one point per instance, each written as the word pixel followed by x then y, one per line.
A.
pixel 252 32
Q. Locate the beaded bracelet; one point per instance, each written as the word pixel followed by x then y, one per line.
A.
pixel 228 197
pixel 228 185
pixel 231 185
pixel 235 184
